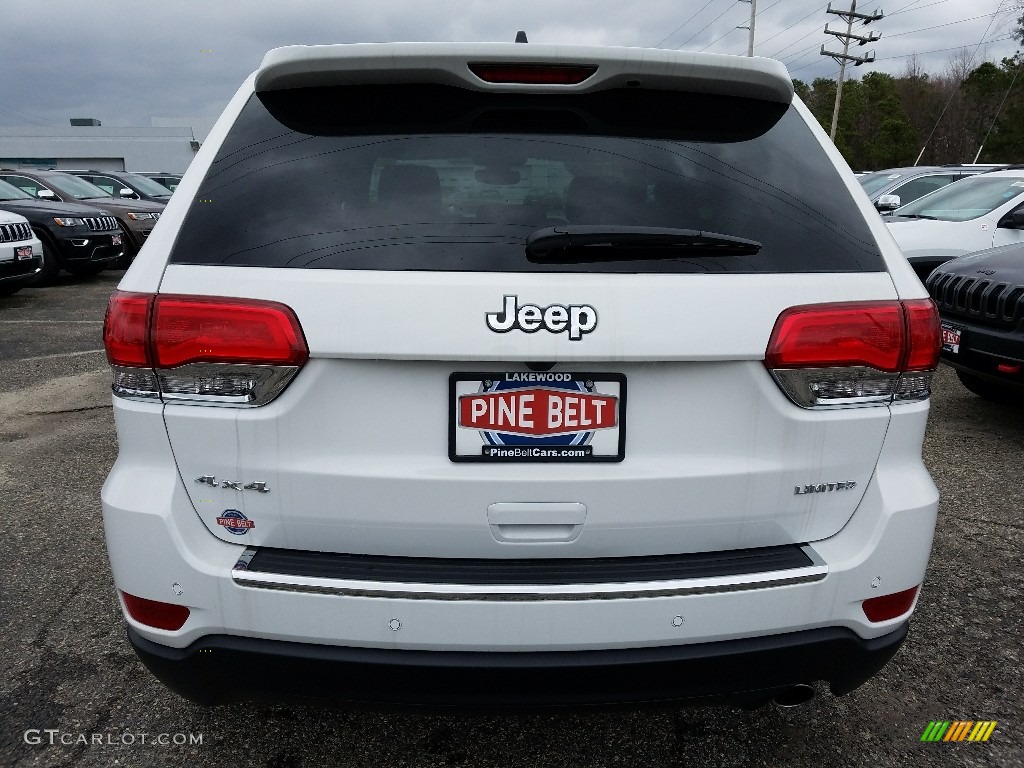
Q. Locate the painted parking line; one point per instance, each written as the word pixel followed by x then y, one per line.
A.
pixel 60 354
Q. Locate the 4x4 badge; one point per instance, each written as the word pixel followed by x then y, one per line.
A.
pixel 258 485
pixel 577 319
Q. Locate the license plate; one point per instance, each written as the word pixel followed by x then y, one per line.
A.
pixel 115 239
pixel 536 416
pixel 22 253
pixel 950 339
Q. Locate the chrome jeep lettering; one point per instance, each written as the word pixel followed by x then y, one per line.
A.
pixel 576 319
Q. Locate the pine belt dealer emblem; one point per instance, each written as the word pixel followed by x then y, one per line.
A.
pixel 235 522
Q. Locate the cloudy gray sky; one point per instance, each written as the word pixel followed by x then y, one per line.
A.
pixel 126 61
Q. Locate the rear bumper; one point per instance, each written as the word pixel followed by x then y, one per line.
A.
pixel 744 672
pixel 680 641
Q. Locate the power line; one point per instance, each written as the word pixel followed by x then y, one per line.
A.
pixel 908 9
pixel 698 13
pixel 802 54
pixel 719 38
pixel 805 18
pixel 938 50
pixel 949 24
pixel 722 37
pixel 954 91
pixel 904 7
pixel 26 116
pixel 814 30
pixel 727 9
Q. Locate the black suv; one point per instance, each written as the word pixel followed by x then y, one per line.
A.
pixel 135 217
pixel 79 238
pixel 129 186
pixel 981 300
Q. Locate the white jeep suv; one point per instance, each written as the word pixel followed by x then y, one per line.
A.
pixel 514 375
pixel 21 252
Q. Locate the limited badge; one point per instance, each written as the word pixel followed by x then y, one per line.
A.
pixel 235 522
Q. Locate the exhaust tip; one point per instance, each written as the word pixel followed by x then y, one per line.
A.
pixel 796 696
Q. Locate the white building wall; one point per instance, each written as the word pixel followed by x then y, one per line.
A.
pixel 132 149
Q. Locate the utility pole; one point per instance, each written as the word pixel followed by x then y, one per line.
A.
pixel 750 36
pixel 849 17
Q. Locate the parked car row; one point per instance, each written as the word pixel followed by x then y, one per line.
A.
pixel 893 187
pixel 962 230
pixel 78 221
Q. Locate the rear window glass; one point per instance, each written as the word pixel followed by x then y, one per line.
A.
pixel 433 177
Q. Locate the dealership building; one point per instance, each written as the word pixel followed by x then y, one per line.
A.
pixel 168 145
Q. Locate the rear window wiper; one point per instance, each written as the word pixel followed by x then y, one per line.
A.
pixel 589 242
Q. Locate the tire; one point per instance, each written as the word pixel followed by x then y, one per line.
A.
pixel 47 275
pixel 989 390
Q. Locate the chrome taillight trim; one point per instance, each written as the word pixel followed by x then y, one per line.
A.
pixel 798 385
pixel 134 383
pixel 193 384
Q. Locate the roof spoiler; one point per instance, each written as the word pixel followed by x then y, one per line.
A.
pixel 449 64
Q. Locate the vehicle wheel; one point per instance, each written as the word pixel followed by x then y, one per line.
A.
pixel 8 289
pixel 989 390
pixel 84 270
pixel 50 267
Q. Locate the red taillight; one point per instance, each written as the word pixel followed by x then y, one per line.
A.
pixel 532 74
pixel 887 607
pixel 855 353
pixel 198 329
pixel 238 352
pixel 126 329
pixel 153 613
pixel 924 335
pixel 832 335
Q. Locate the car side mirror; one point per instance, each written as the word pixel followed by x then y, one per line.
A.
pixel 888 202
pixel 127 193
pixel 46 194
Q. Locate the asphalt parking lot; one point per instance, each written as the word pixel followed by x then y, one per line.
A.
pixel 73 693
